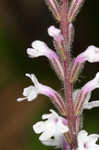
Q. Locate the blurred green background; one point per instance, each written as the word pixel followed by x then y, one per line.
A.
pixel 21 22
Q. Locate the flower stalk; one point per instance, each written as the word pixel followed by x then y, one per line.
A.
pixel 66 63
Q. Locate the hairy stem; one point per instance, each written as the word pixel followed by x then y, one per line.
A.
pixel 67 85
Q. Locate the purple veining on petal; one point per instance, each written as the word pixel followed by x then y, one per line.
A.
pixel 79 59
pixel 56 120
pixel 85 145
pixel 52 54
pixel 55 33
pixel 64 121
pixel 59 38
pixel 87 89
pixel 65 144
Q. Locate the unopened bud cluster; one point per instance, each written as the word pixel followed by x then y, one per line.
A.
pixel 64 130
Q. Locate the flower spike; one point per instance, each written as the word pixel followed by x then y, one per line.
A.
pixel 55 126
pixel 31 92
pixel 39 48
pixel 55 130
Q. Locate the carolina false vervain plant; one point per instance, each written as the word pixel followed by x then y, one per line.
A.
pixel 64 131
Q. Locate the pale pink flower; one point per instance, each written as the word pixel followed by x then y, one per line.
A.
pixel 31 92
pixel 40 48
pixel 91 85
pixel 83 96
pixel 91 54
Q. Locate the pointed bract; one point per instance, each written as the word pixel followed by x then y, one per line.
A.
pixel 54 7
pixel 74 9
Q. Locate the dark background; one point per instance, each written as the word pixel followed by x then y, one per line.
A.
pixel 21 22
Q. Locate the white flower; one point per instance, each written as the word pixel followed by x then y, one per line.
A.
pixel 32 92
pixel 52 130
pixel 87 142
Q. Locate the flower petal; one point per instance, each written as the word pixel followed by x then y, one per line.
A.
pixel 93 138
pixel 61 127
pixel 91 85
pixel 55 33
pixel 57 142
pixel 91 54
pixel 91 105
pixel 48 133
pixel 87 142
pixel 39 127
pixel 52 131
pixel 41 46
pixel 46 116
pixel 33 78
pixel 21 99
